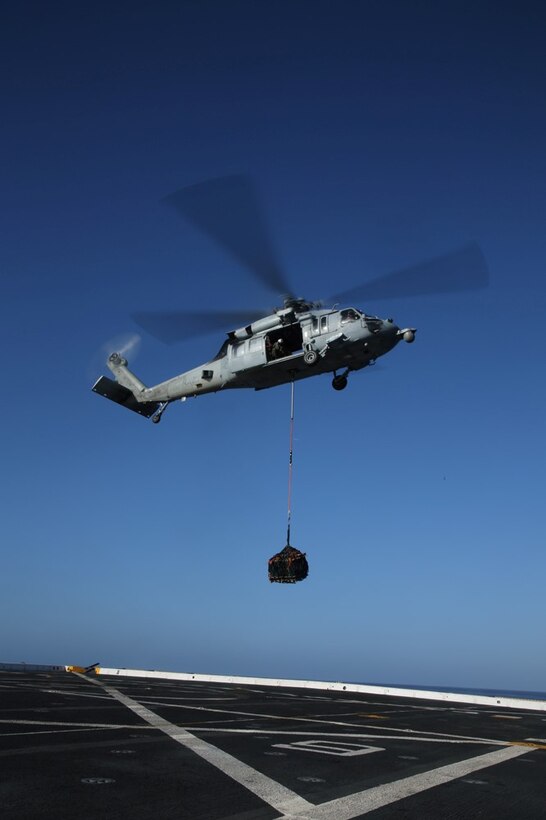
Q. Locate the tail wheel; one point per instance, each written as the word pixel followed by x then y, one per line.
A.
pixel 339 382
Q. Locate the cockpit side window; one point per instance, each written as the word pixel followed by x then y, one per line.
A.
pixel 349 315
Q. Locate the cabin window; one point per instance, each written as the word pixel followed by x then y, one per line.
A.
pixel 323 324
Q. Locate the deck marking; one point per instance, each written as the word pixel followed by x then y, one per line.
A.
pixel 346 808
pixel 49 732
pixel 69 723
pixel 291 805
pixel 328 747
pixel 293 718
pixel 362 735
pixel 281 798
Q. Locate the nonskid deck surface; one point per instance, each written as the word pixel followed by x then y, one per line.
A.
pixel 125 747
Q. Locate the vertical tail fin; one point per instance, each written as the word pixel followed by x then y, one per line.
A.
pixel 125 389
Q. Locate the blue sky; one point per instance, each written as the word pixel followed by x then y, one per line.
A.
pixel 379 134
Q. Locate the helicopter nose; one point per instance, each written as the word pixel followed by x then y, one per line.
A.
pixel 389 330
pixel 407 334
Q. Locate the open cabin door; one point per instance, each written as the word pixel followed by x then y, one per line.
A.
pixel 283 342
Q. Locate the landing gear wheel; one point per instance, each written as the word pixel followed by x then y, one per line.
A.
pixel 339 382
pixel 310 357
pixel 156 419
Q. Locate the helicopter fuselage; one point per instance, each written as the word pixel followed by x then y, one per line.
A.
pixel 283 347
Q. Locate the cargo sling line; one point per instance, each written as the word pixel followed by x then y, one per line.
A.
pixel 290 462
pixel 289 565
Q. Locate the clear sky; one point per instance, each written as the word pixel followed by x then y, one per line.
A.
pixel 379 134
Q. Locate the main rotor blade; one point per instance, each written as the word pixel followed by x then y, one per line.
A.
pixel 176 326
pixel 228 210
pixel 462 269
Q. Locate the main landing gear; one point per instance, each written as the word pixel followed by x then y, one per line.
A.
pixel 340 382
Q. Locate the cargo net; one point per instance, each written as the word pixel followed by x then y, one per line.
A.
pixel 288 566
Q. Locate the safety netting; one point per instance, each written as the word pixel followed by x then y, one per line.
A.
pixel 288 566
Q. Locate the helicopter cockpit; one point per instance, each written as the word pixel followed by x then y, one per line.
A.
pixel 349 315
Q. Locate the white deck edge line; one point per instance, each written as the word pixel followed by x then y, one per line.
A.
pixel 331 686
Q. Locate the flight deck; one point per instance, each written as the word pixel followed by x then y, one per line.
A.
pixel 123 746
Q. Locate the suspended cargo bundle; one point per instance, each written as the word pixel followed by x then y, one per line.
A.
pixel 288 566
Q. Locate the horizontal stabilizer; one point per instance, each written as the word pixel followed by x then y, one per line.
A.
pixel 121 395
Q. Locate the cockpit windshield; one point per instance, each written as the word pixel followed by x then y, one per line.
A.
pixel 350 315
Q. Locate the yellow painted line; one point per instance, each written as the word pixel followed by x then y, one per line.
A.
pixel 526 743
pixel 373 717
pixel 77 669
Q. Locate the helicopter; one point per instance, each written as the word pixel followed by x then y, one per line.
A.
pixel 298 340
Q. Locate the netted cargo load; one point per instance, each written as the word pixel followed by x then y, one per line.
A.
pixel 288 566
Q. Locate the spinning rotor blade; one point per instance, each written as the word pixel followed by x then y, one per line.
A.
pixel 228 210
pixel 462 269
pixel 175 326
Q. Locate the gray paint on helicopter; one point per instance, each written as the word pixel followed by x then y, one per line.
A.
pixel 309 343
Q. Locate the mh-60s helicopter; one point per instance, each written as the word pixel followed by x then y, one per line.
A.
pixel 296 341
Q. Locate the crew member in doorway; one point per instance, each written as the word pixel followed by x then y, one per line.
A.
pixel 278 351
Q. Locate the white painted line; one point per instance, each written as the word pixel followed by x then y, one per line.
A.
pixel 291 719
pixel 359 735
pixel 186 697
pixel 70 693
pixel 310 720
pixel 329 747
pixel 355 805
pixel 282 799
pixel 51 732
pixel 12 722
